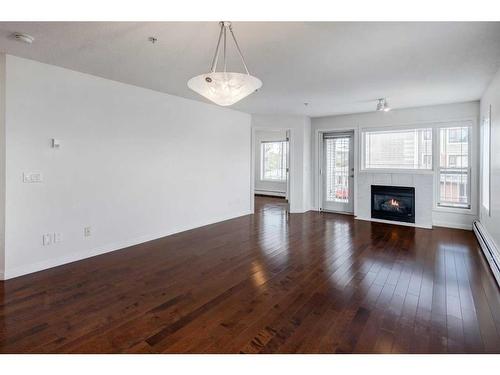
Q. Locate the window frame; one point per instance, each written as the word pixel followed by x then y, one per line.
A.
pixel 263 161
pixel 418 126
pixel 437 177
pixel 486 122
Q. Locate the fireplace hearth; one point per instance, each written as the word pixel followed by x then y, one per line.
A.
pixel 396 203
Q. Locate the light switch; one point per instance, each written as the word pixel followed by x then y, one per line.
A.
pixel 87 231
pixel 57 237
pixel 47 239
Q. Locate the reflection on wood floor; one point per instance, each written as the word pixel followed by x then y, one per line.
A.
pixel 265 283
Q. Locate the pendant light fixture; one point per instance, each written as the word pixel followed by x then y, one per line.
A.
pixel 225 88
pixel 382 105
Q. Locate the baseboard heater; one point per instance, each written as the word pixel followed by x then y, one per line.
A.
pixel 270 193
pixel 489 249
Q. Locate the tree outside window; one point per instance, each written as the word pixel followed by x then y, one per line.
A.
pixel 273 156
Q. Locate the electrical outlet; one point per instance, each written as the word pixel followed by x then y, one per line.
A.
pixel 87 231
pixel 57 237
pixel 47 239
pixel 32 177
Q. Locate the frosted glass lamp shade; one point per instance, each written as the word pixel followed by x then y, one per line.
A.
pixel 224 88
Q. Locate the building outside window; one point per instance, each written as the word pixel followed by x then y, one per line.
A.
pixel 454 168
pixel 427 161
pixel 456 135
pixel 397 149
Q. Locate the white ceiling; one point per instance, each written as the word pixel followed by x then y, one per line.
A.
pixel 336 67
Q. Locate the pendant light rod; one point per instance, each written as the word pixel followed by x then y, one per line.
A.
pixel 238 48
pixel 225 42
pixel 216 55
pixel 224 25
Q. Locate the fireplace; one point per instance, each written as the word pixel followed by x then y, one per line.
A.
pixel 395 203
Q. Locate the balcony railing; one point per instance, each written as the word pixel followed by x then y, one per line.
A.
pixel 454 187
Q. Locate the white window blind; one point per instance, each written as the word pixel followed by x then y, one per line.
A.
pixel 454 167
pixel 337 169
pixel 397 149
pixel 273 156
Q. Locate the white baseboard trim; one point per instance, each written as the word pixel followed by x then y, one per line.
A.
pixel 394 222
pixel 489 249
pixel 54 262
pixel 452 225
pixel 338 212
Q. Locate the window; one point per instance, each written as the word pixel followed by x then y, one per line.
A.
pixel 427 161
pixel 485 144
pixel 273 156
pixel 455 135
pixel 397 149
pixel 454 170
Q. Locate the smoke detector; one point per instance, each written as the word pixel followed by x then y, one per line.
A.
pixel 22 37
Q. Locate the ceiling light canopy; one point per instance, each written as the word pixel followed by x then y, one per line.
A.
pixel 225 88
pixel 382 105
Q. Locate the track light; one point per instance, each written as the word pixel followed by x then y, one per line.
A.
pixel 382 105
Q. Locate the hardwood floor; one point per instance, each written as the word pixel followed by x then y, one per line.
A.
pixel 264 283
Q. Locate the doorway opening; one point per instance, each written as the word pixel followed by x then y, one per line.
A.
pixel 272 164
pixel 337 172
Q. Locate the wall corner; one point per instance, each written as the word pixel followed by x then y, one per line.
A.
pixel 2 162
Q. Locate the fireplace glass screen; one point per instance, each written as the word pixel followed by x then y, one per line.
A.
pixel 395 203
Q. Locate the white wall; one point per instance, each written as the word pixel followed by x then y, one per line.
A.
pixel 491 220
pixel 410 116
pixel 300 156
pixel 134 164
pixel 2 165
pixel 277 188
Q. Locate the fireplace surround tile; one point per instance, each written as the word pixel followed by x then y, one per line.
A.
pixel 423 184
pixel 402 180
pixel 382 179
